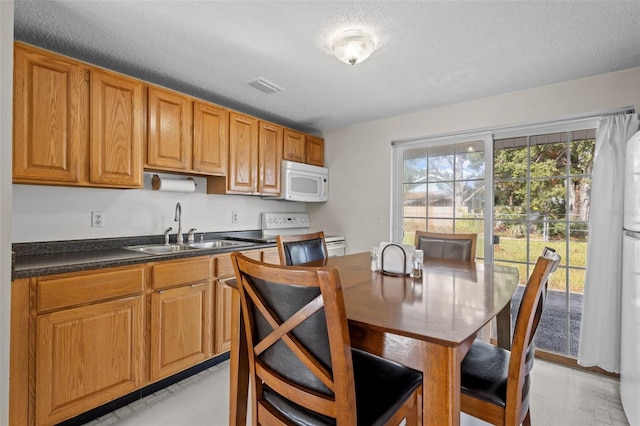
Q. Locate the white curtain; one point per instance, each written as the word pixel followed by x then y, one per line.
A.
pixel 600 332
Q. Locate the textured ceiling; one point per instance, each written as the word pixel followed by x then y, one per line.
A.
pixel 429 53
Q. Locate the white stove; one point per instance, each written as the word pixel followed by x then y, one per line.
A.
pixel 297 223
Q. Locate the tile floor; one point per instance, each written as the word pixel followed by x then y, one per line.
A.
pixel 560 397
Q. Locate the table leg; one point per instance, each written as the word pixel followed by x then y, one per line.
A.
pixel 503 324
pixel 441 385
pixel 238 366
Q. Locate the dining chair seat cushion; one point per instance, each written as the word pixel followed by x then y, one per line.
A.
pixel 484 372
pixel 438 248
pixel 297 252
pixel 382 386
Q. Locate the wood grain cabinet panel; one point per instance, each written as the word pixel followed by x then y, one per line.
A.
pixel 269 158
pixel 223 271
pixel 88 349
pixel 116 130
pixel 270 255
pixel 210 138
pixel 315 151
pixel 181 315
pixel 87 356
pixel 243 154
pixel 223 317
pixel 180 272
pixel 180 328
pixel 294 146
pixel 49 117
pixel 169 138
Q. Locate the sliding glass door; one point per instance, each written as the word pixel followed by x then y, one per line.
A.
pixel 518 189
pixel 542 187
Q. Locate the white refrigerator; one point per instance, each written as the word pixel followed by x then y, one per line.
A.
pixel 630 315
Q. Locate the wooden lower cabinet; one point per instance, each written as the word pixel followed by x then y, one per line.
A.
pixel 223 271
pixel 223 317
pixel 82 339
pixel 181 305
pixel 86 357
pixel 180 329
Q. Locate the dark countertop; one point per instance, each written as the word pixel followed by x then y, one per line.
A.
pixel 46 258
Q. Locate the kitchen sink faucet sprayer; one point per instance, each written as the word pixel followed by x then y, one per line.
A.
pixel 178 219
pixel 190 235
pixel 166 236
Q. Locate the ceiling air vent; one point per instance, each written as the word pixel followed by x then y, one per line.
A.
pixel 264 85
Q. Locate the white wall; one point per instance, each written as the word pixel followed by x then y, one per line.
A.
pixel 51 213
pixel 359 156
pixel 6 105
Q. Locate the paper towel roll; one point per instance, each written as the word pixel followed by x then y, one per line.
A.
pixel 174 185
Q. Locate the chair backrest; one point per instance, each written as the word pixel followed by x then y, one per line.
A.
pixel 436 245
pixel 298 341
pixel 297 249
pixel 522 346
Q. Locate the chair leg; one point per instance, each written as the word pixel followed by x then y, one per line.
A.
pixel 527 419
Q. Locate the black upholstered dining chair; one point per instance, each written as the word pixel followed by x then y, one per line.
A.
pixel 494 381
pixel 297 249
pixel 303 370
pixel 436 245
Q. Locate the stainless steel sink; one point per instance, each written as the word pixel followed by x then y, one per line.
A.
pixel 215 244
pixel 158 249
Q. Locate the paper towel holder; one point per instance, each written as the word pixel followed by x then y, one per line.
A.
pixel 155 182
pixel 404 254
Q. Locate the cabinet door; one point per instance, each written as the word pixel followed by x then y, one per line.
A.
pixel 116 130
pixel 269 158
pixel 270 255
pixel 223 317
pixel 210 139
pixel 294 146
pixel 49 117
pixel 315 151
pixel 180 329
pixel 169 130
pixel 243 154
pixel 87 356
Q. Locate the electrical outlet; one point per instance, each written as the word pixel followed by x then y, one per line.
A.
pixel 234 217
pixel 97 219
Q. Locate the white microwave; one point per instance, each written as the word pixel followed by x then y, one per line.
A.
pixel 303 182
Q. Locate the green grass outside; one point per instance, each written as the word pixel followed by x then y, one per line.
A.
pixel 512 250
pixel 515 249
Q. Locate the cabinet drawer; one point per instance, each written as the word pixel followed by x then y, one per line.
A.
pixel 223 267
pixel 60 291
pixel 177 272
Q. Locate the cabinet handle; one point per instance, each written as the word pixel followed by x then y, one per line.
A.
pixel 197 285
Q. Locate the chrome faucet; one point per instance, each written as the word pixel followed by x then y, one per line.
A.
pixel 178 219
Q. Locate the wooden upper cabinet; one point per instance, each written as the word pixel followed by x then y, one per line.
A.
pixel 269 158
pixel 116 130
pixel 169 139
pixel 210 138
pixel 294 146
pixel 50 127
pixel 315 151
pixel 243 154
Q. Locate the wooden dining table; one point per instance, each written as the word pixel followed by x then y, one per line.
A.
pixel 428 324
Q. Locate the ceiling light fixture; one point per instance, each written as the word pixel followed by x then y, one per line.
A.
pixel 353 46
